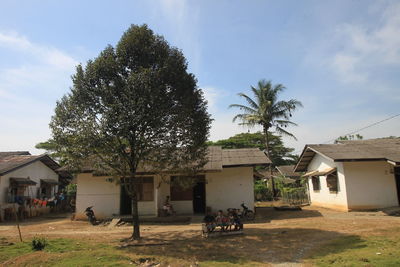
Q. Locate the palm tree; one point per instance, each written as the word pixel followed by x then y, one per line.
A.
pixel 268 112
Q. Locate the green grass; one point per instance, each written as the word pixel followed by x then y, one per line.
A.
pixel 70 252
pixel 63 252
pixel 355 251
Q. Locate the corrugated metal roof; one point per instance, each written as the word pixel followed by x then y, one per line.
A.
pixel 218 158
pixel 15 161
pixel 288 171
pixel 361 150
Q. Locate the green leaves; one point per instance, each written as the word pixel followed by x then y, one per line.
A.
pixel 132 105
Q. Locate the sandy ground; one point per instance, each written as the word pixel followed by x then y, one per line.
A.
pixel 281 238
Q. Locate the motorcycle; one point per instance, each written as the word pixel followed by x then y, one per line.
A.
pixel 246 214
pixel 90 214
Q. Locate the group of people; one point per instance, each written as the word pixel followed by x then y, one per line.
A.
pixel 228 222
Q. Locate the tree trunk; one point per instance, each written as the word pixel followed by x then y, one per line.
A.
pixel 135 216
pixel 134 207
pixel 270 166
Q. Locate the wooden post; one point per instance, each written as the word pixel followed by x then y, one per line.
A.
pixel 17 221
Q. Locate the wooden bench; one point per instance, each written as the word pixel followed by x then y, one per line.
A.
pixel 219 231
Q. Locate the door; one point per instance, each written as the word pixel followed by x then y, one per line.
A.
pixel 199 198
pixel 397 177
pixel 125 206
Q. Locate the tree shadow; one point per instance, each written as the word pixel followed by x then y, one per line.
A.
pixel 266 214
pixel 278 245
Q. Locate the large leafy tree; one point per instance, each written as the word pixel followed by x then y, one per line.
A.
pixel 266 110
pixel 133 107
pixel 279 153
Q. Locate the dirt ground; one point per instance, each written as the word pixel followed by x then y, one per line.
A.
pixel 275 238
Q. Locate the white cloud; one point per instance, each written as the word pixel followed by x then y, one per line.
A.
pixel 364 49
pixel 29 88
pixel 43 53
pixel 184 21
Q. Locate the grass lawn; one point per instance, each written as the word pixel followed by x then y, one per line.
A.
pixel 378 249
pixel 71 252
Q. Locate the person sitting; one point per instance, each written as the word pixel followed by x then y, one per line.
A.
pixel 222 221
pixel 209 220
pixel 167 207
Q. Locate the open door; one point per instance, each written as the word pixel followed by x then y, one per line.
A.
pixel 125 206
pixel 199 197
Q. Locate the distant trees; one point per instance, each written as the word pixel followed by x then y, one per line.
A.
pixel 133 105
pixel 349 137
pixel 266 110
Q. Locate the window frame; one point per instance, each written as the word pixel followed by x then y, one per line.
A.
pixel 333 187
pixel 315 180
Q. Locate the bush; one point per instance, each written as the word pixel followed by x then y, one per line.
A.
pixel 261 191
pixel 39 243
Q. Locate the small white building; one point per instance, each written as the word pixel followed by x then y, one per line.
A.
pixel 23 178
pixel 353 175
pixel 226 181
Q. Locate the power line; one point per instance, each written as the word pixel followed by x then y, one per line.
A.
pixel 363 128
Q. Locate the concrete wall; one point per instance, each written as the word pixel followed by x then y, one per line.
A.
pixel 229 188
pixel 35 171
pixel 226 189
pixel 323 197
pixel 370 185
pixel 104 196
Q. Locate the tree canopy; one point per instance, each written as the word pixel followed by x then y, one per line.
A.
pixel 134 104
pixel 267 111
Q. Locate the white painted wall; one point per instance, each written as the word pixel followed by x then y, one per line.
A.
pixel 229 188
pixel 35 171
pixel 104 196
pixel 325 198
pixel 226 189
pixel 370 185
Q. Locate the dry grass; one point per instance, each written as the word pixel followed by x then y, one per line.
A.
pixel 275 237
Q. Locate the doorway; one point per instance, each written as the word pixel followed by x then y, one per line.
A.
pixel 125 203
pixel 397 178
pixel 199 197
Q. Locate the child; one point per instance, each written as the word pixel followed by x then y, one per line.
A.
pixel 209 220
pixel 222 221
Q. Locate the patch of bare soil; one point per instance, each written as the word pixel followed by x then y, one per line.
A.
pixel 276 237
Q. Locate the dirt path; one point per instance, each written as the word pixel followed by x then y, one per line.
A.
pixel 276 238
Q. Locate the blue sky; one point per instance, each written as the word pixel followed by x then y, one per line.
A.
pixel 340 58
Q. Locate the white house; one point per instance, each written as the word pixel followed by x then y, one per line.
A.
pixel 23 178
pixel 353 175
pixel 225 182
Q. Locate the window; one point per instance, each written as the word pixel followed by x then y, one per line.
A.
pixel 332 182
pixel 145 190
pixel 179 193
pixel 316 183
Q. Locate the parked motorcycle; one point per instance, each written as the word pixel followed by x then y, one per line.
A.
pixel 90 214
pixel 245 214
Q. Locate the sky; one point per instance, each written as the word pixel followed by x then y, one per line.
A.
pixel 341 59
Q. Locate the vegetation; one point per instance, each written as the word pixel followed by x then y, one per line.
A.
pixel 39 243
pixel 349 137
pixel 267 111
pixel 133 106
pixel 356 251
pixel 279 154
pixel 70 252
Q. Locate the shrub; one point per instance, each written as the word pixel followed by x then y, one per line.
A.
pixel 39 243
